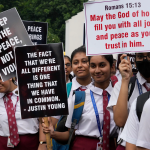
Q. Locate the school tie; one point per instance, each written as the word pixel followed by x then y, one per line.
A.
pixel 80 89
pixel 13 130
pixel 147 88
pixel 114 80
pixel 106 126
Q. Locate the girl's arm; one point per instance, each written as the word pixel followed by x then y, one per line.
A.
pixel 121 108
pixel 130 146
pixel 60 136
pixel 42 137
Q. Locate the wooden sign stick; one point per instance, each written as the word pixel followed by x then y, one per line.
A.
pixel 48 138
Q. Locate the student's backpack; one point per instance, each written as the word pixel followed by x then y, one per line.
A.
pixel 140 103
pixel 131 86
pixel 78 108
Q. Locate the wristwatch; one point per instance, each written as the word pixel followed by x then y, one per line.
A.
pixel 41 142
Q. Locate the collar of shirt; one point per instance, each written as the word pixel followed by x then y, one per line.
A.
pixel 140 79
pixel 68 81
pixel 99 91
pixel 15 92
pixel 76 85
pixel 117 72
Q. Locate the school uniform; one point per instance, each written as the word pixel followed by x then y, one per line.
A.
pixel 136 132
pixel 26 128
pixel 87 131
pixel 118 75
pixel 135 94
pixel 75 86
pixel 143 139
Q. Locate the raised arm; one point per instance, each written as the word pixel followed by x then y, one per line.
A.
pixel 121 108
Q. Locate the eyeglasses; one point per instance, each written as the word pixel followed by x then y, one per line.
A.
pixel 68 65
pixel 142 57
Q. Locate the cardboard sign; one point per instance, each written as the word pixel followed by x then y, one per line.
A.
pixel 117 26
pixel 37 31
pixel 41 80
pixel 12 33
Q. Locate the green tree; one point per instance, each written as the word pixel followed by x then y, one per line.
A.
pixel 55 12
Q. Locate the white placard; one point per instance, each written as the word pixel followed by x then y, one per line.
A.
pixel 118 26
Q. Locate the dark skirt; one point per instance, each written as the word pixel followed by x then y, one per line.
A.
pixel 89 143
pixel 27 142
pixel 120 147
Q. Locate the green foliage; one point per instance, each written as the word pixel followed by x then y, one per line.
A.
pixel 55 12
pixel 52 38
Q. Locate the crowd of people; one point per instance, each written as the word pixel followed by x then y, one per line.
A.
pixel 109 119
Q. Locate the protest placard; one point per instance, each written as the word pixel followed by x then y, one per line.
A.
pixel 117 26
pixel 41 80
pixel 132 60
pixel 12 33
pixel 37 31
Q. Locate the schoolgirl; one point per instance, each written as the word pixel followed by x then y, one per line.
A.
pixel 68 68
pixel 81 81
pixel 119 102
pixel 96 126
pixel 16 133
pixel 136 133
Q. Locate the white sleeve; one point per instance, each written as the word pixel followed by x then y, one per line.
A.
pixel 130 131
pixel 144 127
pixel 114 96
pixel 56 117
pixel 71 109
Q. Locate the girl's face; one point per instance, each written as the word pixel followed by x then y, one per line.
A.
pixel 80 65
pixel 100 69
pixel 5 87
pixel 68 68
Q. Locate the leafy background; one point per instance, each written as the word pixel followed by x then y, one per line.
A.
pixel 55 12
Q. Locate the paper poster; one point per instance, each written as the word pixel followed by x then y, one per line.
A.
pixel 41 80
pixel 37 31
pixel 12 33
pixel 117 26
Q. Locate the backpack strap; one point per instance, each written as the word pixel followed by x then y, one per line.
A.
pixel 131 86
pixel 140 103
pixel 69 85
pixel 78 108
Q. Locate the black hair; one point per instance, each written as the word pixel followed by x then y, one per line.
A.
pixel 65 56
pixel 78 50
pixel 109 58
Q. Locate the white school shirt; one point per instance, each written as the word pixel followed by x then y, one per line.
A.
pixel 135 94
pixel 136 132
pixel 25 126
pixel 131 128
pixel 118 75
pixel 88 124
pixel 143 139
pixel 75 86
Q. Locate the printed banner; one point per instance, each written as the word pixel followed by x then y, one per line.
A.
pixel 12 33
pixel 41 80
pixel 117 26
pixel 37 31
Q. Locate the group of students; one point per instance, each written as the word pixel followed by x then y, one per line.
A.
pixel 107 110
